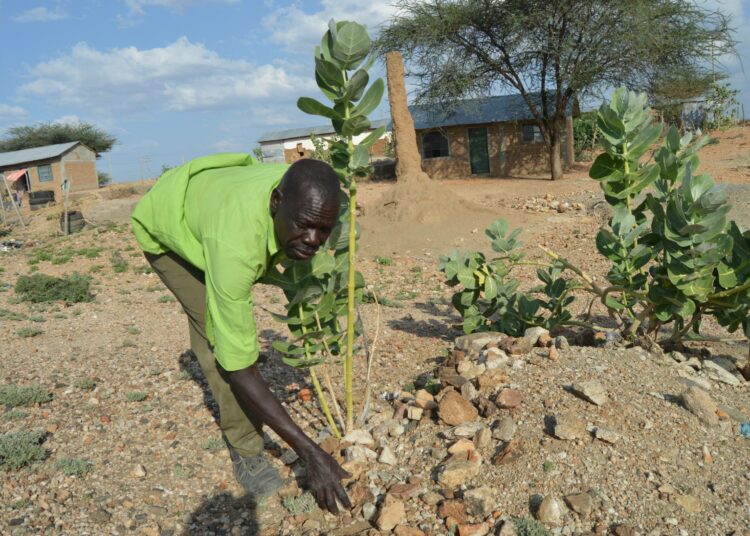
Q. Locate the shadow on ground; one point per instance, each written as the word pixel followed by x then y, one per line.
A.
pixel 223 515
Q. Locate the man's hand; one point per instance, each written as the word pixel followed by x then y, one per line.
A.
pixel 323 473
pixel 324 476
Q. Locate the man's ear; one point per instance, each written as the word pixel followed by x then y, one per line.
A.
pixel 276 197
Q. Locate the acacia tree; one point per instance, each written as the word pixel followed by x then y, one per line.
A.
pixel 549 51
pixel 28 136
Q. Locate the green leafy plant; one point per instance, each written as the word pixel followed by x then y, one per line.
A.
pixel 675 257
pixel 329 286
pixel 119 264
pixel 302 504
pixel 73 466
pixel 28 395
pixel 86 384
pixel 723 106
pixel 14 415
pixel 528 526
pixel 136 396
pixel 39 288
pixel 213 443
pixel 18 449
pixel 29 332
pixel 489 299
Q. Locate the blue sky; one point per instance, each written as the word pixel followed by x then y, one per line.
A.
pixel 176 79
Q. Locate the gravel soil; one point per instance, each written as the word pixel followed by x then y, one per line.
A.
pixel 127 397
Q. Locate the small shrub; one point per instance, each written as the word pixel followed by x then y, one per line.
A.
pixel 18 449
pixel 41 288
pixel 13 395
pixel 127 343
pixel 303 504
pixel 39 255
pixel 7 314
pixel 144 269
pixel 29 332
pixel 89 253
pixel 20 504
pixel 213 443
pixel 155 288
pixel 73 466
pixel 526 526
pixel 119 265
pixel 167 298
pixel 37 318
pixel 136 396
pixel 133 330
pixel 15 415
pixel 383 261
pixel 548 466
pixel 87 384
pixel 95 269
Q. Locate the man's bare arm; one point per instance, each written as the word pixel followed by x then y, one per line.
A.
pixel 324 474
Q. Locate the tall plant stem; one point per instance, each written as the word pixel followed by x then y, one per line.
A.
pixel 316 384
pixel 349 359
pixel 327 377
pixel 370 358
pixel 324 404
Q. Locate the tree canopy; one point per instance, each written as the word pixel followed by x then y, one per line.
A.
pixel 26 137
pixel 550 51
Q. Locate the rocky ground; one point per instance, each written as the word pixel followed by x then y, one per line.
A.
pixel 466 436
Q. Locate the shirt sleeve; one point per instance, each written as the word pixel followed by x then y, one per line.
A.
pixel 230 325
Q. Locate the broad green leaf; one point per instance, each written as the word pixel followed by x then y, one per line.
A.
pixel 490 288
pixel 350 43
pixel 466 277
pixel 606 168
pixel 354 126
pixel 360 158
pixel 727 276
pixel 644 140
pixel 672 141
pixel 356 86
pixel 332 75
pixel 314 107
pixel 371 98
pixel 372 137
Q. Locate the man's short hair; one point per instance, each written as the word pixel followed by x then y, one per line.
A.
pixel 308 174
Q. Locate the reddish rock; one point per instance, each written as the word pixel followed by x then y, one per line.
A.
pixel 453 508
pixel 403 530
pixel 392 513
pixel 454 410
pixel 554 354
pixel 509 398
pixel 492 379
pixel 405 491
pixel 511 451
pixel 477 529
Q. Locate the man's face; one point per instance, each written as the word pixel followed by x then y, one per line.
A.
pixel 303 225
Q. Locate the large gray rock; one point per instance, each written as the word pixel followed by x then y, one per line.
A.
pixel 591 391
pixel 474 342
pixel 700 404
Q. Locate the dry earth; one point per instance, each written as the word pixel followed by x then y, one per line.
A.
pixel 158 466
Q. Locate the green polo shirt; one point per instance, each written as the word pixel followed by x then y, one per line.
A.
pixel 214 213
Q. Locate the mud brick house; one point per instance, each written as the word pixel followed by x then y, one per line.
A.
pixel 44 168
pixel 291 145
pixel 488 136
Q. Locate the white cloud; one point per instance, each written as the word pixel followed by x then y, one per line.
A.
pixel 180 76
pixel 137 6
pixel 11 113
pixel 41 14
pixel 296 30
pixel 68 120
pixel 229 146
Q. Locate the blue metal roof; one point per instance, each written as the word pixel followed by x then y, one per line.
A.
pixel 35 154
pixel 498 109
pixel 306 132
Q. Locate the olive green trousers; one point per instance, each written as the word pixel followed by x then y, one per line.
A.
pixel 243 430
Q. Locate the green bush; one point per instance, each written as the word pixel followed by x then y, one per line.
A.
pixel 29 332
pixel 73 466
pixel 136 396
pixel 303 504
pixel 213 443
pixel 14 415
pixel 87 384
pixel 527 526
pixel 40 288
pixel 119 265
pixel 18 449
pixel 13 395
pixel 7 314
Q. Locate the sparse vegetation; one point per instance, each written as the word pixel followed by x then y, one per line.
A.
pixel 14 415
pixel 119 264
pixel 136 396
pixel 302 504
pixel 213 443
pixel 29 332
pixel 383 261
pixel 86 384
pixel 527 526
pixel 14 395
pixel 18 449
pixel 41 288
pixel 73 466
pixel 166 298
pixel 7 314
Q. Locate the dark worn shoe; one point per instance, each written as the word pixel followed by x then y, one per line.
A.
pixel 256 474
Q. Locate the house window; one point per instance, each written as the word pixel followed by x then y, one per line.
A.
pixel 45 173
pixel 531 133
pixel 435 145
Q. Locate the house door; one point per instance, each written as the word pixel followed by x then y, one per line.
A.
pixel 479 154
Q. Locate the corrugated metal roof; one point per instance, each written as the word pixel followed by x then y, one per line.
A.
pixel 306 132
pixel 496 109
pixel 35 153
